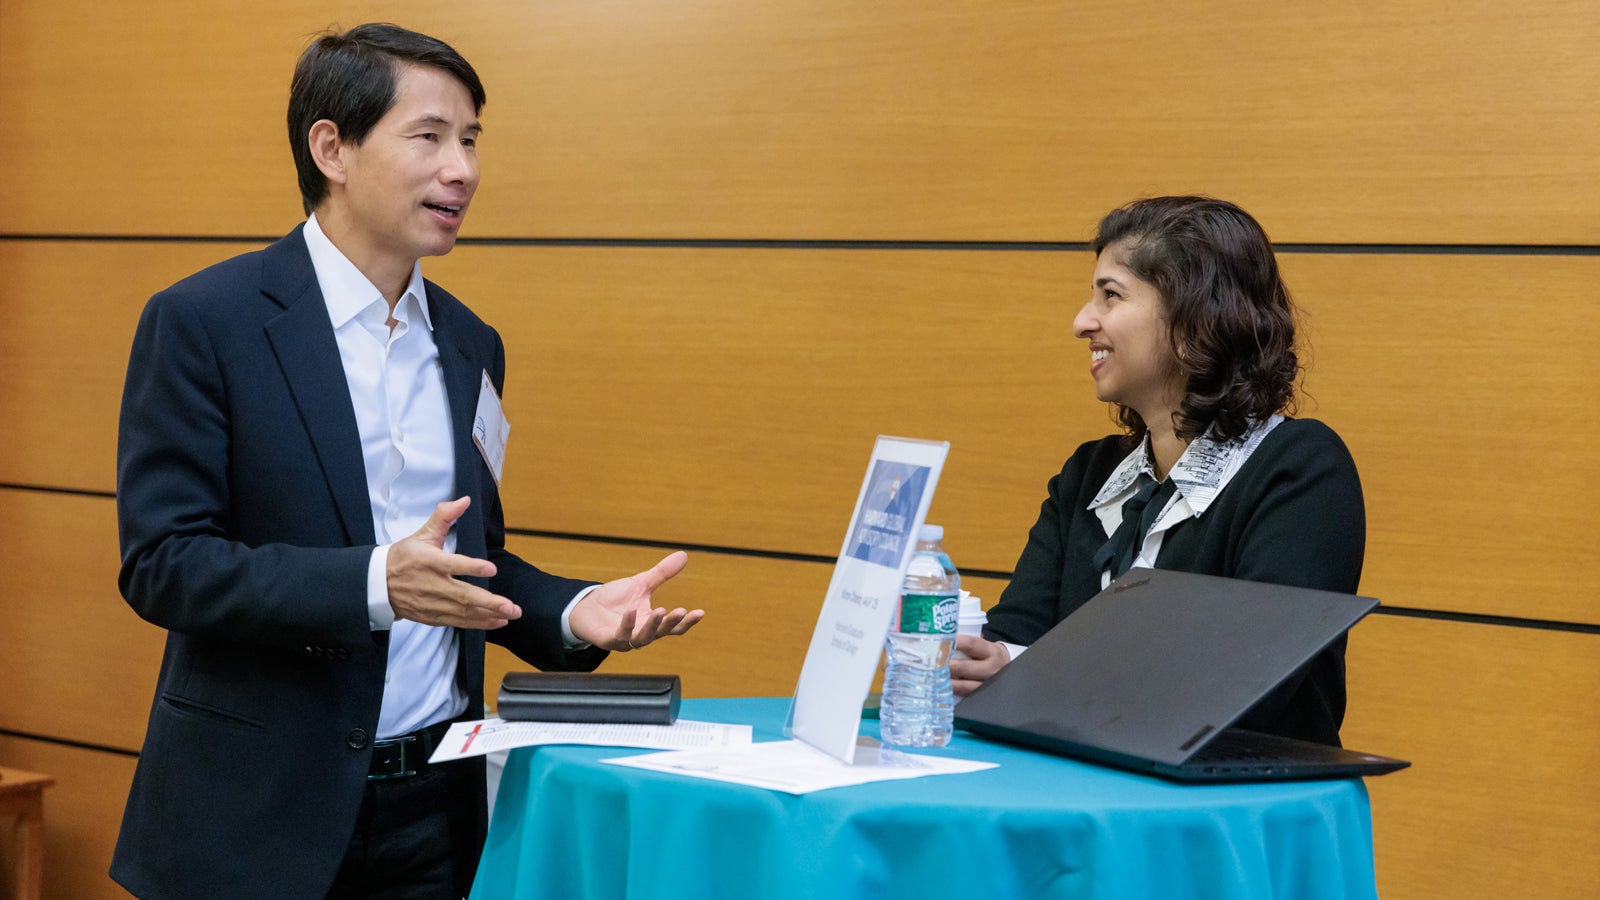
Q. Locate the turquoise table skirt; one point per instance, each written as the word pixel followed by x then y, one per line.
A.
pixel 569 827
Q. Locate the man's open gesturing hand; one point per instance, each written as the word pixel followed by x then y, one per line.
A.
pixel 617 615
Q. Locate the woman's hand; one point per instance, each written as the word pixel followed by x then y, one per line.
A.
pixel 984 658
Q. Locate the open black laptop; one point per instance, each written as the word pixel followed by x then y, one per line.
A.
pixel 1151 672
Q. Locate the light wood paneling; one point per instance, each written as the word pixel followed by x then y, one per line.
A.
pixel 1464 386
pixel 78 663
pixel 972 120
pixel 730 397
pixel 70 311
pixel 1500 726
pixel 759 615
pixel 82 813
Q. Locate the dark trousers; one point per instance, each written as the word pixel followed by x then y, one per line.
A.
pixel 413 838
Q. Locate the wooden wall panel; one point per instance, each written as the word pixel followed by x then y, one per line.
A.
pixel 78 663
pixel 1021 120
pixel 82 812
pixel 732 397
pixel 658 393
pixel 1464 386
pixel 70 310
pixel 1500 726
pixel 972 120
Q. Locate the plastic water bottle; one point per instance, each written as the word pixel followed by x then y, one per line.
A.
pixel 917 706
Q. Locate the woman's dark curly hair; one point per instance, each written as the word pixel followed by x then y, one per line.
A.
pixel 1230 319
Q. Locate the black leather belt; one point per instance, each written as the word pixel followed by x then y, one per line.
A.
pixel 406 755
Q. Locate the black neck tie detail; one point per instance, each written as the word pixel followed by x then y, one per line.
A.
pixel 1139 513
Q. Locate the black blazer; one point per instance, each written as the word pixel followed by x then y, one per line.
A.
pixel 246 533
pixel 1293 514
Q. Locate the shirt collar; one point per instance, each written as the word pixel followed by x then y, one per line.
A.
pixel 1200 474
pixel 1125 474
pixel 345 289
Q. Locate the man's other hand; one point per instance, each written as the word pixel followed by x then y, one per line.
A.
pixel 423 583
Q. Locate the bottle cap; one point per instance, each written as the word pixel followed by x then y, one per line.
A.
pixel 930 533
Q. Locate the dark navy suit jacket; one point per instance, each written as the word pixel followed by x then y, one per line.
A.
pixel 246 533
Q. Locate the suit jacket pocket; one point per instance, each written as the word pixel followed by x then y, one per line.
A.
pixel 203 712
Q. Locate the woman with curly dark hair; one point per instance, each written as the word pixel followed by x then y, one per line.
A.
pixel 1191 336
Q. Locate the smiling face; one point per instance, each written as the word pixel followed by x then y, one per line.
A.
pixel 402 193
pixel 1130 353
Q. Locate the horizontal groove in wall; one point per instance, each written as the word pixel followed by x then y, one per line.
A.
pixel 712 548
pixel 818 244
pixel 1411 612
pixel 64 742
pixel 1402 611
pixel 663 545
pixel 140 238
pixel 47 489
pixel 1480 619
pixel 1443 249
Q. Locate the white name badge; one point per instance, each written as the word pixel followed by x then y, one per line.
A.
pixel 490 428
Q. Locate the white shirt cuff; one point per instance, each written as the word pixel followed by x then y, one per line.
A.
pixel 1015 650
pixel 568 639
pixel 380 615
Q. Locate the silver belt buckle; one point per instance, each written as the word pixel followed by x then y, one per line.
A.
pixel 405 763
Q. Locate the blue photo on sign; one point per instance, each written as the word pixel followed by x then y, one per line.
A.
pixel 888 512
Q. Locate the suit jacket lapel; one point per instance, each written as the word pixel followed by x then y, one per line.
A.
pixel 463 376
pixel 303 342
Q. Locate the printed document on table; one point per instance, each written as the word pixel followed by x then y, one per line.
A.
pixel 476 738
pixel 795 767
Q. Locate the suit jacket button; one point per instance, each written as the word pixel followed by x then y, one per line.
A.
pixel 357 739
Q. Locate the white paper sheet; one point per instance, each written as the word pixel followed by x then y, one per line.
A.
pixel 482 736
pixel 795 767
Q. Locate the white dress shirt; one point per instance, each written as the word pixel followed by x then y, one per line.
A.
pixel 397 388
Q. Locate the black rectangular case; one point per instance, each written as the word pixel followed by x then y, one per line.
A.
pixel 589 697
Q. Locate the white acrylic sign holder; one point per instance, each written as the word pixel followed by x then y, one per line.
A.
pixel 864 594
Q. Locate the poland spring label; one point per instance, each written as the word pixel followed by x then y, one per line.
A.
pixel 929 613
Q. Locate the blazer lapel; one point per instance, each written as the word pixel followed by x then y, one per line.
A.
pixel 463 376
pixel 303 342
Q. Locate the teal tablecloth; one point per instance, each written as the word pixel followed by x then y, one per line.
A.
pixel 569 827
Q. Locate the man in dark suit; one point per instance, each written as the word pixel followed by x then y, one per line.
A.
pixel 302 507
